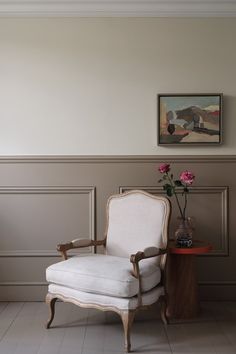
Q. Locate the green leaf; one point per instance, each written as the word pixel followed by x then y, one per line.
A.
pixel 165 177
pixel 160 180
pixel 169 192
pixel 171 176
pixel 178 183
pixel 167 186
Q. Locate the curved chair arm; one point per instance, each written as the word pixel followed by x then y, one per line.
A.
pixel 78 243
pixel 137 257
pixel 147 253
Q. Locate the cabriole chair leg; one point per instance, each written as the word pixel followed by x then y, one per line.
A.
pixel 50 301
pixel 164 317
pixel 127 320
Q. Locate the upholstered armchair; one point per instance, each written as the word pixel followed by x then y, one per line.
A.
pixel 129 276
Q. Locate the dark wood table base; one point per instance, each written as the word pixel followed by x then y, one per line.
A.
pixel 183 299
pixel 182 286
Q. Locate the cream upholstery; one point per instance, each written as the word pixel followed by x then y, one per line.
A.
pixel 130 303
pixel 101 274
pixel 129 275
pixel 135 222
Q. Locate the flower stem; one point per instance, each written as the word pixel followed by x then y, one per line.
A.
pixel 185 204
pixel 177 200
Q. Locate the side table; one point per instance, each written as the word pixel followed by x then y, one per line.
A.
pixel 182 287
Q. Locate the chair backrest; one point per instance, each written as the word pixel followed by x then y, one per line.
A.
pixel 136 220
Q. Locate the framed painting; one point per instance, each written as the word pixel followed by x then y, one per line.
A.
pixel 190 119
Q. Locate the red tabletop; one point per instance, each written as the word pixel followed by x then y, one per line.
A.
pixel 198 247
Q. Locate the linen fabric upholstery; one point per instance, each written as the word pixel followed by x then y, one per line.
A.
pixel 151 251
pixel 135 222
pixel 81 242
pixel 84 298
pixel 103 274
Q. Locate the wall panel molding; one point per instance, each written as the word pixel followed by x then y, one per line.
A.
pixel 23 283
pixel 91 159
pixel 53 190
pixel 104 8
pixel 205 190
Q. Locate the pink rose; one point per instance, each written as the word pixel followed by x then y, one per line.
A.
pixel 187 177
pixel 164 168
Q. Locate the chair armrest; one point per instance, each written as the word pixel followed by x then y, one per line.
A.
pixel 137 257
pixel 78 243
pixel 147 253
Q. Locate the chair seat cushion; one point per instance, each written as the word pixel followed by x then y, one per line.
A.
pixel 103 274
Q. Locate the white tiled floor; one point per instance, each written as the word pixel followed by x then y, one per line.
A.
pixel 82 331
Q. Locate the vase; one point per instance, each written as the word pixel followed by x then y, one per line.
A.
pixel 184 232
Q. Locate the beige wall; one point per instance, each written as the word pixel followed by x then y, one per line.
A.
pixel 89 86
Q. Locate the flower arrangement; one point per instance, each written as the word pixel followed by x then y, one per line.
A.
pixel 185 180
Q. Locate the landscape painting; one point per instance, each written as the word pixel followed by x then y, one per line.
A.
pixel 186 119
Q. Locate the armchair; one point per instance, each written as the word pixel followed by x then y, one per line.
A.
pixel 129 276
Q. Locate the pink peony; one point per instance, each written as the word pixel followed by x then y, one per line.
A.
pixel 187 177
pixel 164 168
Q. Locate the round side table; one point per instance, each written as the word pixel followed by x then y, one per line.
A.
pixel 182 287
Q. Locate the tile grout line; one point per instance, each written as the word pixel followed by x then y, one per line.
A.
pixel 222 330
pixel 167 337
pixel 13 320
pixel 31 319
pixel 213 317
pixel 6 304
pixel 85 330
pixel 61 339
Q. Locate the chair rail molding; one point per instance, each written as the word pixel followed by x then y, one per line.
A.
pixel 119 8
pixel 101 159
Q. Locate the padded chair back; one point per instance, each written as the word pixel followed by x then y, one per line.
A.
pixel 136 220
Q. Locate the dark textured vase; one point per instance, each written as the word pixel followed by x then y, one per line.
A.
pixel 184 232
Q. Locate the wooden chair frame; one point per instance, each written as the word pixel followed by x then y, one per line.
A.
pixel 127 316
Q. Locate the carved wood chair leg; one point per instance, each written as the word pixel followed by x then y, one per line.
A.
pixel 127 320
pixel 50 301
pixel 164 316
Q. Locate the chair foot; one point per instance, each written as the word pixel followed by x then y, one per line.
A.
pixel 164 317
pixel 128 349
pixel 50 300
pixel 127 320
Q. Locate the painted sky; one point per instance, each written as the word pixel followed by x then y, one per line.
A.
pixel 174 103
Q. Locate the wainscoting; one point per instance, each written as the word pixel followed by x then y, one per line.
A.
pixel 47 200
